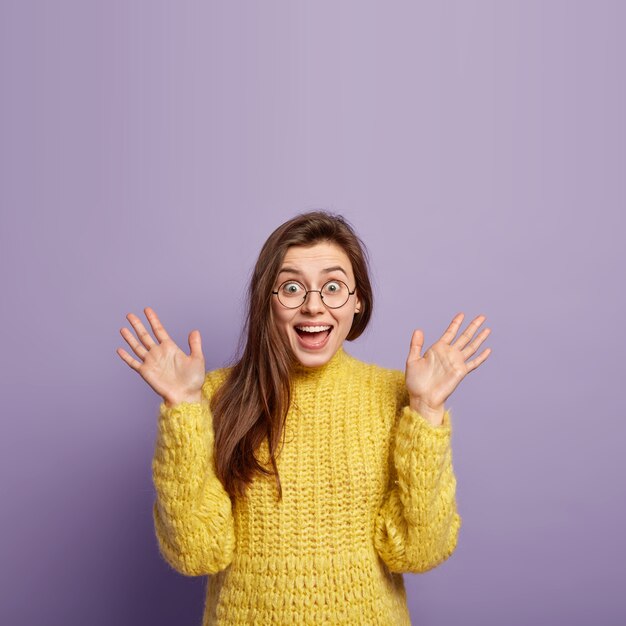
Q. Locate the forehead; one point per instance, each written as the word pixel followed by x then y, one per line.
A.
pixel 317 257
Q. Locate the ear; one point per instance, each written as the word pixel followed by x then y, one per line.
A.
pixel 359 306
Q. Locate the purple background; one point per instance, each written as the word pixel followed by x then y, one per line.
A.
pixel 147 151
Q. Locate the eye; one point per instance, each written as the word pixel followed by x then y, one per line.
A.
pixel 292 288
pixel 333 287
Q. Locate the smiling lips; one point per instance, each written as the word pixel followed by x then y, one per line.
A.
pixel 313 336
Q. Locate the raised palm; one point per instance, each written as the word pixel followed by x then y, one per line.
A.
pixel 163 365
pixel 431 378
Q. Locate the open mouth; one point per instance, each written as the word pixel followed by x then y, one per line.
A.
pixel 313 336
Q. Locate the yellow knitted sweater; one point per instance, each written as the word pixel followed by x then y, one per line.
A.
pixel 368 493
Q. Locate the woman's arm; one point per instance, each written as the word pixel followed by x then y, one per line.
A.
pixel 417 525
pixel 193 512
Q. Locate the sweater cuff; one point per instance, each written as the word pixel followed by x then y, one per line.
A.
pixel 422 422
pixel 413 427
pixel 184 421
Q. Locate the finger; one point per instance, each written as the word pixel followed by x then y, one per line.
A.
pixel 474 345
pixel 157 328
pixel 417 341
pixel 452 330
pixel 195 344
pixel 138 349
pixel 468 333
pixel 133 363
pixel 142 333
pixel 473 364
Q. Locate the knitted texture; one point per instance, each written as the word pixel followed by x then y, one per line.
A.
pixel 368 493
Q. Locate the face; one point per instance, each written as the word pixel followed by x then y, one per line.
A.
pixel 314 266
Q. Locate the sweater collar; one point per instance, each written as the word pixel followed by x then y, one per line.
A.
pixel 336 363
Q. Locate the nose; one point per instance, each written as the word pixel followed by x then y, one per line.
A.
pixel 313 303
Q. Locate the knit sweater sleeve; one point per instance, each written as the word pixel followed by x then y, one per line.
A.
pixel 192 512
pixel 417 525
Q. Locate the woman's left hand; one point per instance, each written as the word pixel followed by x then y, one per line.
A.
pixel 431 378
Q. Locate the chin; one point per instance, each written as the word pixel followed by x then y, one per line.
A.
pixel 313 360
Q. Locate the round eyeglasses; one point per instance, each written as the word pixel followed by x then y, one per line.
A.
pixel 292 294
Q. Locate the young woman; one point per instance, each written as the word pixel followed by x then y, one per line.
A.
pixel 301 479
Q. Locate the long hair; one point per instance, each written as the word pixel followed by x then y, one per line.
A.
pixel 253 401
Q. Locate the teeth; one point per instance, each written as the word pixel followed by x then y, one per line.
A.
pixel 313 329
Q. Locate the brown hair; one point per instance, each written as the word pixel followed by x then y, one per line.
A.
pixel 253 401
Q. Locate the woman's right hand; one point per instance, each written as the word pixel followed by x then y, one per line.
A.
pixel 163 365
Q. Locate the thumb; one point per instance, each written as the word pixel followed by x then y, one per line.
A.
pixel 417 341
pixel 195 344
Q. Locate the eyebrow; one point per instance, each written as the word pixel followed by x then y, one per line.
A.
pixel 328 270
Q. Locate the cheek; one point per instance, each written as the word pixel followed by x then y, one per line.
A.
pixel 281 315
pixel 346 321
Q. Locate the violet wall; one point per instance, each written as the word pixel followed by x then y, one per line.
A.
pixel 147 149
